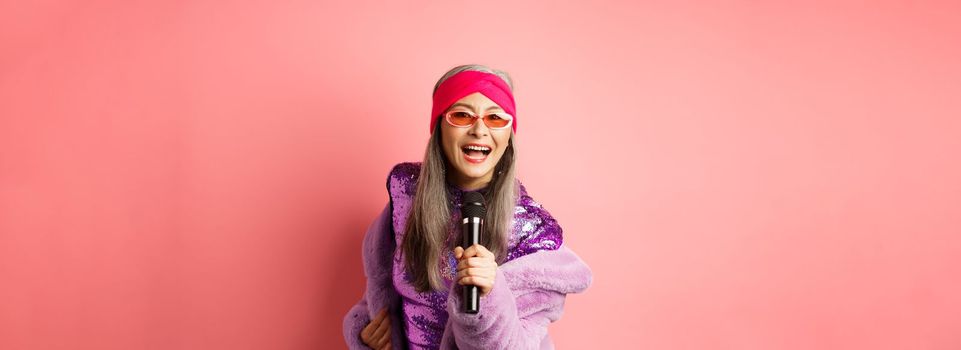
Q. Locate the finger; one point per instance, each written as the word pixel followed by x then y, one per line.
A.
pixel 469 262
pixel 475 263
pixel 471 251
pixel 478 251
pixel 481 262
pixel 474 281
pixel 458 251
pixel 480 283
pixel 380 315
pixel 473 271
pixel 380 343
pixel 367 333
pixel 377 342
pixel 483 273
pixel 482 251
pixel 463 264
pixel 383 341
pixel 379 339
pixel 387 339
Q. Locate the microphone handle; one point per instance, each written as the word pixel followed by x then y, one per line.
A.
pixel 471 231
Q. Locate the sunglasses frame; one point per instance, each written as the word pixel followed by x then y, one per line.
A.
pixel 475 117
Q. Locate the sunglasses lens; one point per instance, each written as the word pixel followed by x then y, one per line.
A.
pixel 460 118
pixel 496 121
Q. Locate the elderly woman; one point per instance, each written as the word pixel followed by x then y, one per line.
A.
pixel 414 265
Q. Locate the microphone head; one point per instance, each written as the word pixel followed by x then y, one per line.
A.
pixel 473 205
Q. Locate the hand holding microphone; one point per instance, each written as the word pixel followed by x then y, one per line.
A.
pixel 476 266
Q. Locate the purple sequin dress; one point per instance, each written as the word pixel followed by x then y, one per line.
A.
pixel 425 314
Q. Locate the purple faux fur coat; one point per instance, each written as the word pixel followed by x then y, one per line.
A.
pixel 528 294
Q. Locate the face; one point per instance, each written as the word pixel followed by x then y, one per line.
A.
pixel 472 168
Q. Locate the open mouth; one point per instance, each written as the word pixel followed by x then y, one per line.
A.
pixel 476 153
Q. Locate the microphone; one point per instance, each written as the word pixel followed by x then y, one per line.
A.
pixel 473 211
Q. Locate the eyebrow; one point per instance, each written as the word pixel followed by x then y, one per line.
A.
pixel 460 104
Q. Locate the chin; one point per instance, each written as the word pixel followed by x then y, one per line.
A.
pixel 475 173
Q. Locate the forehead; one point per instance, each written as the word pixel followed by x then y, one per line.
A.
pixel 476 101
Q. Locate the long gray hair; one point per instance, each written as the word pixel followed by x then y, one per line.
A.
pixel 429 220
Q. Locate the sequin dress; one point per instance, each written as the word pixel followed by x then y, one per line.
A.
pixel 425 314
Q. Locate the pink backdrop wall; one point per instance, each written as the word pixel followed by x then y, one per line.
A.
pixel 198 175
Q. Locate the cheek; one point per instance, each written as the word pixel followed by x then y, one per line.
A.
pixel 449 137
pixel 503 141
pixel 448 140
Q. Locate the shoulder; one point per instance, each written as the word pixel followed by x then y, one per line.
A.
pixel 533 228
pixel 528 209
pixel 402 178
pixel 405 169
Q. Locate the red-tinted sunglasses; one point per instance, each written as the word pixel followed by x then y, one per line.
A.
pixel 466 119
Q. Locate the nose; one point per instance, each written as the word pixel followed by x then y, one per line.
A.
pixel 479 129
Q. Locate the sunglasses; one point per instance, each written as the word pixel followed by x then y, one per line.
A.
pixel 466 119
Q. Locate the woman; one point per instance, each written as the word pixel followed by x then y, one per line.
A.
pixel 414 265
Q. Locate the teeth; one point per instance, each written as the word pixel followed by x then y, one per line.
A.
pixel 477 148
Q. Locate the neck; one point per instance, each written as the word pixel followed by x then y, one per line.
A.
pixel 467 184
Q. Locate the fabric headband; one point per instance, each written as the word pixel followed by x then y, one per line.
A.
pixel 466 83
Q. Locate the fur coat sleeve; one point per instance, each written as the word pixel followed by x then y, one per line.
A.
pixel 377 252
pixel 528 294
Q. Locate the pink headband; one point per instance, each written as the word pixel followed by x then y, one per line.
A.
pixel 466 83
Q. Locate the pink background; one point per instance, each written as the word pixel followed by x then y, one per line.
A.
pixel 199 175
